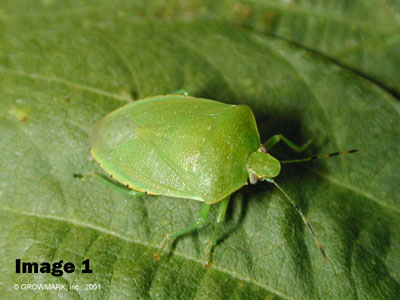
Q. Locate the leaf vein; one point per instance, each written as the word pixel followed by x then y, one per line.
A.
pixel 115 234
pixel 71 84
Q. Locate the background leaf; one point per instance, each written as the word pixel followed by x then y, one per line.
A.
pixel 363 36
pixel 65 65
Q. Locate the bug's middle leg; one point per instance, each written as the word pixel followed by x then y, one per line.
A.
pixel 220 218
pixel 205 209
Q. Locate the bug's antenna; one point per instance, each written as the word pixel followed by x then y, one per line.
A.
pixel 319 245
pixel 317 157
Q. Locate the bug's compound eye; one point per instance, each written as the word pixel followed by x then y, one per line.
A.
pixel 253 178
pixel 262 149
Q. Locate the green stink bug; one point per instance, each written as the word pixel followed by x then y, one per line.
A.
pixel 187 147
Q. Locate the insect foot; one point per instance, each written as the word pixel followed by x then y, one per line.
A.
pixel 157 255
pixel 80 176
pixel 208 252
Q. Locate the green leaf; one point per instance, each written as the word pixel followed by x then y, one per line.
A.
pixel 64 66
pixel 363 36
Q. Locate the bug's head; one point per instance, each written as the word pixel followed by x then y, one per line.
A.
pixel 262 165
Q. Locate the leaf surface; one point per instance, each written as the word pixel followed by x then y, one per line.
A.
pixel 64 66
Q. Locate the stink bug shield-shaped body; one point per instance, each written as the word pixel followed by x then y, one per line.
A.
pixel 186 147
pixel 180 146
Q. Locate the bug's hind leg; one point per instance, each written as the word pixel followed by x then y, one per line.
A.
pixel 220 218
pixel 205 208
pixel 114 185
pixel 273 140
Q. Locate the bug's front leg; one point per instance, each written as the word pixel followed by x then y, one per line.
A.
pixel 205 208
pixel 273 140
